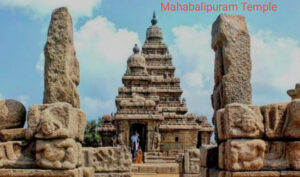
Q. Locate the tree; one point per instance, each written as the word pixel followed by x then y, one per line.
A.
pixel 91 135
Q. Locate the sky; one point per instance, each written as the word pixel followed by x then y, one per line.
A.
pixel 105 32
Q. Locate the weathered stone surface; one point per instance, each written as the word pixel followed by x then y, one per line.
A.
pixel 239 121
pixel 12 114
pixel 61 65
pixel 12 134
pixel 294 93
pixel 290 174
pixel 192 161
pixel 292 125
pixel 231 43
pixel 293 154
pixel 56 120
pixel 41 173
pixel 112 174
pixel 274 119
pixel 58 154
pixel 16 154
pixel 254 174
pixel 108 159
pixel 240 155
pixel 275 157
pixel 208 156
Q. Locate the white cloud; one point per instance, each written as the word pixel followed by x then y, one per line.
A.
pixel 23 99
pixel 101 47
pixel 96 107
pixel 276 60
pixel 194 60
pixel 42 8
pixel 39 66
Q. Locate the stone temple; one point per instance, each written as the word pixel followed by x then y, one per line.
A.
pixel 150 102
pixel 252 141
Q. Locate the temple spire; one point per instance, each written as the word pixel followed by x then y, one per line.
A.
pixel 154 20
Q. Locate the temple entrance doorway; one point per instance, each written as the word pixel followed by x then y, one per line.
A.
pixel 199 140
pixel 140 129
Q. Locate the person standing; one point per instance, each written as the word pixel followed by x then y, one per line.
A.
pixel 134 145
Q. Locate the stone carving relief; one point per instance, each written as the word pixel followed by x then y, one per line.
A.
pixel 57 120
pixel 275 157
pixel 156 141
pixel 292 125
pixel 274 117
pixel 58 154
pixel 236 155
pixel 239 121
pixel 108 159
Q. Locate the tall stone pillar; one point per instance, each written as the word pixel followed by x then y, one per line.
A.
pixel 61 65
pixel 231 43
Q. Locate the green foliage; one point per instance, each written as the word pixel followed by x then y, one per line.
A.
pixel 91 135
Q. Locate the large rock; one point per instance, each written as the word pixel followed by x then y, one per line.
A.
pixel 239 121
pixel 56 120
pixel 12 114
pixel 61 65
pixel 242 155
pixel 58 154
pixel 275 157
pixel 231 43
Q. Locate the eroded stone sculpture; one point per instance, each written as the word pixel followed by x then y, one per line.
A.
pixel 192 161
pixel 58 154
pixel 61 65
pixel 295 93
pixel 236 155
pixel 56 120
pixel 239 121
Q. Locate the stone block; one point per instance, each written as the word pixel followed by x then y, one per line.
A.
pixel 292 125
pixel 12 134
pixel 108 159
pixel 41 173
pixel 213 172
pixel 231 43
pixel 241 155
pixel 239 121
pixel 12 114
pixel 275 157
pixel 290 174
pixel 192 161
pixel 274 118
pixel 14 154
pixel 88 171
pixel 208 156
pixel 57 120
pixel 112 175
pixel 254 174
pixel 58 154
pixel 293 154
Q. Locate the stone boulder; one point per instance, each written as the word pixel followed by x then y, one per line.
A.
pixel 61 65
pixel 12 114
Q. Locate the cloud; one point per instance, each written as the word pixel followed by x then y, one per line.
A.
pixel 194 59
pixel 39 66
pixel 102 51
pixel 275 60
pixel 96 107
pixel 40 8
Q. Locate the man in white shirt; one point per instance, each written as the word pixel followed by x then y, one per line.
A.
pixel 134 144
